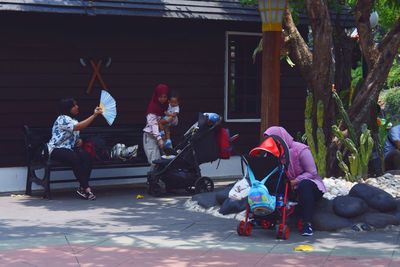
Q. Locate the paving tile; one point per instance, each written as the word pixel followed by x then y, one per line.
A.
pixel 286 260
pixel 162 241
pixel 362 251
pixel 103 256
pixel 80 242
pixel 39 256
pixel 395 262
pixel 132 256
pixel 342 261
pixel 227 258
pixel 32 242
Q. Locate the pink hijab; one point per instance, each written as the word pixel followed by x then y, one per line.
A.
pixel 295 149
pixel 155 107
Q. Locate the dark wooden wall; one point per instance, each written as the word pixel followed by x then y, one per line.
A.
pixel 39 64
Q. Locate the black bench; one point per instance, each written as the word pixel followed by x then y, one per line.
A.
pixel 36 138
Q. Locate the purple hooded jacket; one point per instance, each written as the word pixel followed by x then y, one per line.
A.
pixel 302 165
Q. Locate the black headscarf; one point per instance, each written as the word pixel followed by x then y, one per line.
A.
pixel 65 106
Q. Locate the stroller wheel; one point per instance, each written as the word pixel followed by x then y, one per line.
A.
pixel 282 231
pixel 203 184
pixel 154 189
pixel 240 228
pixel 244 228
pixel 189 189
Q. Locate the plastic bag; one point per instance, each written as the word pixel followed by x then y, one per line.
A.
pixel 240 190
pixel 122 152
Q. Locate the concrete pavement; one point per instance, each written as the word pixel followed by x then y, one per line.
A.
pixel 119 230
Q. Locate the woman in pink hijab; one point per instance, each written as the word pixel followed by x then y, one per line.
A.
pixel 152 141
pixel 303 176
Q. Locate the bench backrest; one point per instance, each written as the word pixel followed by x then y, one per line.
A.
pixel 128 135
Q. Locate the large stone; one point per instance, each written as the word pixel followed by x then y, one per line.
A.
pixel 223 194
pixel 349 207
pixel 206 200
pixel 374 197
pixel 233 206
pixel 381 220
pixel 325 205
pixel 325 221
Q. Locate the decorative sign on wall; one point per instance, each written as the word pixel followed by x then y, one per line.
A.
pixel 96 66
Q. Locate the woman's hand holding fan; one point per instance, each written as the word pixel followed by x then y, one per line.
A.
pixel 108 106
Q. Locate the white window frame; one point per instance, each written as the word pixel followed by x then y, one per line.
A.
pixel 227 33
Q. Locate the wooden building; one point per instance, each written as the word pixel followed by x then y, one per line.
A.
pixel 202 49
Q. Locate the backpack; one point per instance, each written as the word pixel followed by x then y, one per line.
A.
pixel 260 201
pixel 224 144
pixel 97 148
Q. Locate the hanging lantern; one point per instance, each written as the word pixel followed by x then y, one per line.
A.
pixel 271 12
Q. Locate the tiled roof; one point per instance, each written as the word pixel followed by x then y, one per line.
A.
pixel 230 10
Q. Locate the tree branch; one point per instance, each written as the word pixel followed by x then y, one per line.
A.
pixel 298 49
pixel 362 15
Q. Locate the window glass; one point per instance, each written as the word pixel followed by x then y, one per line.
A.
pixel 243 83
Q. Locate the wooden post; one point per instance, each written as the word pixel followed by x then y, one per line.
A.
pixel 270 85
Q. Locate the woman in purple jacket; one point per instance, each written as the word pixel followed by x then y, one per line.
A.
pixel 303 176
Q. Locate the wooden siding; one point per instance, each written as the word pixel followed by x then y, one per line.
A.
pixel 39 64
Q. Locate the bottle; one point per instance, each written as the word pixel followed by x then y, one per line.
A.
pixel 279 201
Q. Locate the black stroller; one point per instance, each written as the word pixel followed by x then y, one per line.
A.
pixel 181 169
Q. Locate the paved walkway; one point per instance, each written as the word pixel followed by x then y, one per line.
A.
pixel 119 230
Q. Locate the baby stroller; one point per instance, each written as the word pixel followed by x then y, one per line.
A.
pixel 181 170
pixel 277 185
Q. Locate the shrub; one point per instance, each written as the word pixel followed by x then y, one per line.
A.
pixel 392 104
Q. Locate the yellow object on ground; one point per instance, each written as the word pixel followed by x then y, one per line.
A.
pixel 139 197
pixel 304 248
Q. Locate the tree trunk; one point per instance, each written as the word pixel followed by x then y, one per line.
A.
pixel 317 69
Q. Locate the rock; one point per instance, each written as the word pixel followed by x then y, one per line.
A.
pixel 325 221
pixel 347 206
pixel 233 206
pixel 388 176
pixel 381 220
pixel 374 197
pixel 223 194
pixel 324 205
pixel 206 200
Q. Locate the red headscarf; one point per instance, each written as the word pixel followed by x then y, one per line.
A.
pixel 155 106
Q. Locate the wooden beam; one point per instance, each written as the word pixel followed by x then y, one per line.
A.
pixel 270 86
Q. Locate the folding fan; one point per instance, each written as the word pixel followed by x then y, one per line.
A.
pixel 109 106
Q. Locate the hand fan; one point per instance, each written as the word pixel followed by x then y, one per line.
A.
pixel 109 106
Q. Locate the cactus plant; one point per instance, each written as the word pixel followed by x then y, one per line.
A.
pixel 343 114
pixel 366 145
pixel 319 151
pixel 343 166
pixel 358 158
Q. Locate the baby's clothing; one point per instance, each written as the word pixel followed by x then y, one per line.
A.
pixel 172 121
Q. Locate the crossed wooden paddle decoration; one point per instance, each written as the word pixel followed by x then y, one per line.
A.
pixel 96 66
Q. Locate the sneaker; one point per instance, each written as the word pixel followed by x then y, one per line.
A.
pixel 307 230
pixel 90 196
pixel 81 193
pixel 85 195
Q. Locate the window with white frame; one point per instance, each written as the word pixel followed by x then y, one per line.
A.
pixel 242 77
